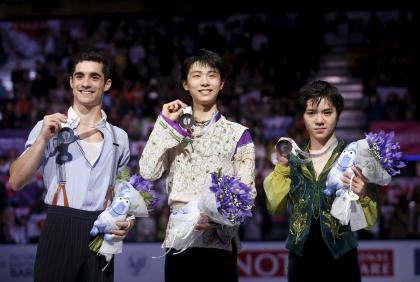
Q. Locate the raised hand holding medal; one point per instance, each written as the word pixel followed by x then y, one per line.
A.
pixel 186 120
pixel 285 147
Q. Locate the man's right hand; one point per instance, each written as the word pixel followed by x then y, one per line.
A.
pixel 173 110
pixel 51 125
pixel 23 168
pixel 281 160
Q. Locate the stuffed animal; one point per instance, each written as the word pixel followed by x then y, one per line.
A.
pixel 117 211
pixel 378 157
pixel 132 197
pixel 344 163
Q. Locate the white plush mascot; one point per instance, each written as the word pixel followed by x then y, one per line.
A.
pixel 343 164
pixel 128 200
pixel 378 157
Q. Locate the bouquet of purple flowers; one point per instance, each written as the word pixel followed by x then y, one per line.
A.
pixel 385 151
pixel 133 196
pixel 378 157
pixel 145 189
pixel 225 200
pixel 231 201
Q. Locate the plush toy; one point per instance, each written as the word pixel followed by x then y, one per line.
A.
pixel 183 233
pixel 225 200
pixel 343 164
pixel 133 197
pixel 378 157
pixel 117 211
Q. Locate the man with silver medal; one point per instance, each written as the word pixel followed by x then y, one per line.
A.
pixel 79 171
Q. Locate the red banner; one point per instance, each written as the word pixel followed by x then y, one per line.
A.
pixel 377 263
pixel 262 263
pixel 406 133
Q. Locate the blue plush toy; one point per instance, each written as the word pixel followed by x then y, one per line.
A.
pixel 378 157
pixel 344 163
pixel 129 199
pixel 117 211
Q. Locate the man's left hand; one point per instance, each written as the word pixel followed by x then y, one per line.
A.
pixel 205 223
pixel 125 227
pixel 359 183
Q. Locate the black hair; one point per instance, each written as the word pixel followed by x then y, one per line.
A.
pixel 92 57
pixel 207 58
pixel 316 91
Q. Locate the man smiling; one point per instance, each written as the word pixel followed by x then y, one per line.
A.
pixel 79 167
pixel 188 157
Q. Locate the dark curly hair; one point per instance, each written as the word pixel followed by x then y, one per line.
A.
pixel 316 91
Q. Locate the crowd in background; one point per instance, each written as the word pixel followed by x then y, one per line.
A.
pixel 268 57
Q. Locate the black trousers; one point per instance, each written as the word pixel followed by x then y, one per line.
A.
pixel 318 264
pixel 63 253
pixel 201 264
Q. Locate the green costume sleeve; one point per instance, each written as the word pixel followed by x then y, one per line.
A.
pixel 277 186
pixel 370 209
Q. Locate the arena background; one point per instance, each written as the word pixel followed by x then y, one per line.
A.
pixel 368 50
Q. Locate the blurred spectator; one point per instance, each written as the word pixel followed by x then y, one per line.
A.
pixel 3 91
pixel 13 230
pixel 394 108
pixel 36 221
pixel 414 211
pixel 399 220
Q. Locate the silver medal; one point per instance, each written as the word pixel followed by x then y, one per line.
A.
pixel 186 120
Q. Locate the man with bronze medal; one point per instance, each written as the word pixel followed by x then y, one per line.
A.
pixel 319 247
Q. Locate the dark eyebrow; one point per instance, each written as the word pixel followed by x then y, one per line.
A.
pixel 90 74
pixel 200 71
pixel 95 74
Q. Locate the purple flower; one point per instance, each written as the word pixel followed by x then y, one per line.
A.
pixel 387 152
pixel 145 188
pixel 233 198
